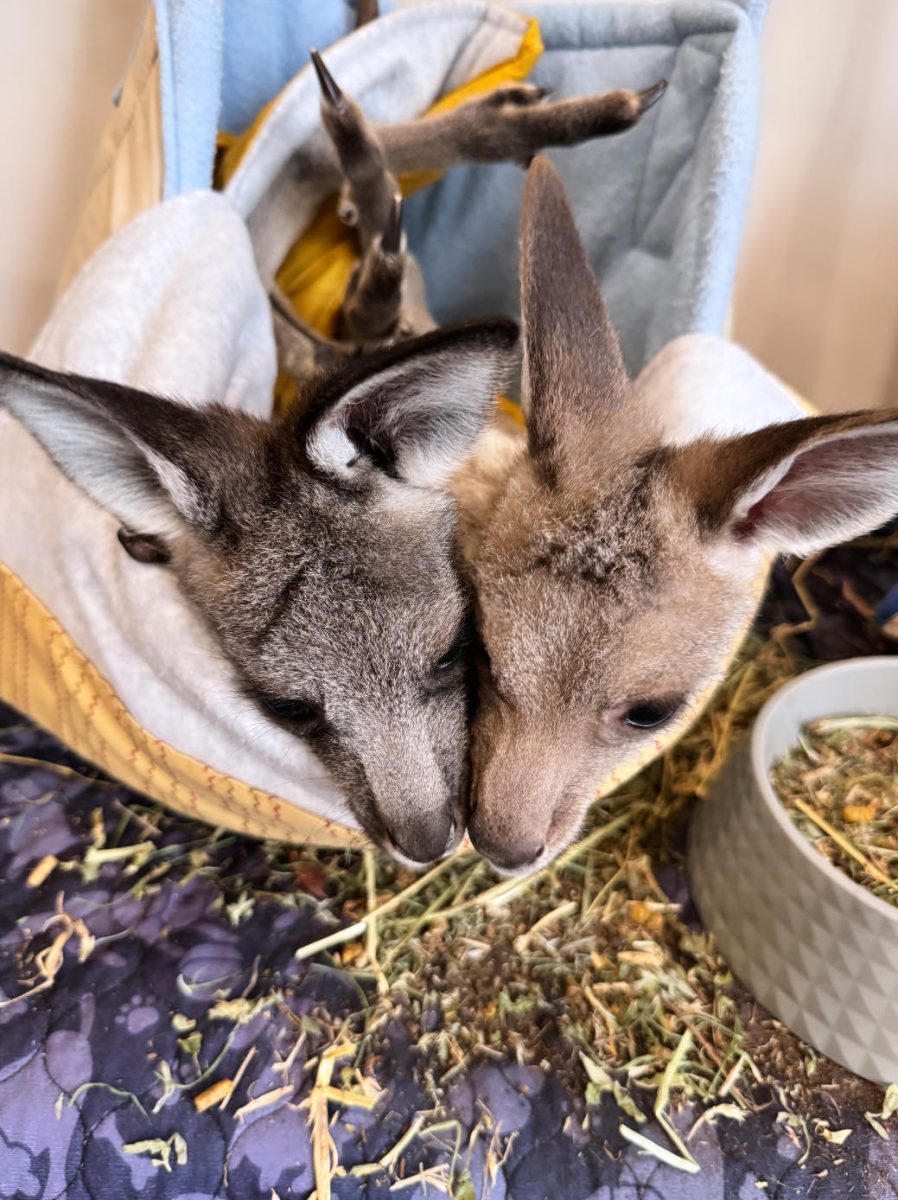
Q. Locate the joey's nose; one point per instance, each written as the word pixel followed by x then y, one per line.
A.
pixel 514 855
pixel 425 839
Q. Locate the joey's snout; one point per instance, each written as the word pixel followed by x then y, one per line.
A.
pixel 511 830
pixel 518 817
pixel 525 789
pixel 416 794
pixel 509 854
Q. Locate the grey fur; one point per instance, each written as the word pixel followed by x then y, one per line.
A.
pixel 328 582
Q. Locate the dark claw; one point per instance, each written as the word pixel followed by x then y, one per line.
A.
pixel 652 95
pixel 391 239
pixel 329 88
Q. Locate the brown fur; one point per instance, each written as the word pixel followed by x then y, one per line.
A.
pixel 320 550
pixel 612 570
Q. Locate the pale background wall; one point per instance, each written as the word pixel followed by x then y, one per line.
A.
pixel 60 62
pixel 817 294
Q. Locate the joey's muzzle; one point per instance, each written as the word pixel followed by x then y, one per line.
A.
pixel 512 855
pixel 512 814
pixel 525 777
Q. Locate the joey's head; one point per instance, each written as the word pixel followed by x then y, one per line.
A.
pixel 319 550
pixel 615 570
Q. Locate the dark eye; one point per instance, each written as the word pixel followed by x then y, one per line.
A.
pixel 442 668
pixel 449 659
pixel 304 715
pixel 650 714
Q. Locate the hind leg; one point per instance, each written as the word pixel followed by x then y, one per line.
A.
pixel 370 200
pixel 371 306
pixel 510 124
pixel 369 188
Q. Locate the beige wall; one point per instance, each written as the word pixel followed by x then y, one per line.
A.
pixel 817 294
pixel 60 63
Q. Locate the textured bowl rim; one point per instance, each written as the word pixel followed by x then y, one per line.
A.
pixel 767 716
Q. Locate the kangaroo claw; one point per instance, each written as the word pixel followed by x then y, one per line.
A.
pixel 651 95
pixel 330 89
pixel 347 210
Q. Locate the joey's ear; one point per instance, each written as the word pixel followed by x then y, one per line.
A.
pixel 153 463
pixel 797 487
pixel 573 369
pixel 413 411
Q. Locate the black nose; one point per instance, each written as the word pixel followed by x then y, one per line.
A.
pixel 424 840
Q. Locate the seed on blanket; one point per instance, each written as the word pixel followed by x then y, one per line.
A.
pixel 41 870
pixel 213 1095
pixel 161 1150
pixel 839 783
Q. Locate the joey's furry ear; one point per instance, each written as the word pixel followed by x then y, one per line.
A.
pixel 413 411
pixel 153 463
pixel 796 487
pixel 573 368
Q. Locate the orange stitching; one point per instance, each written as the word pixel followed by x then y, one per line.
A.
pixel 26 679
pixel 14 674
pixel 4 619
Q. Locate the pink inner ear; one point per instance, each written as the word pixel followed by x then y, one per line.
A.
pixel 831 491
pixel 744 529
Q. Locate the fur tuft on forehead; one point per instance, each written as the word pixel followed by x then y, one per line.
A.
pixel 607 537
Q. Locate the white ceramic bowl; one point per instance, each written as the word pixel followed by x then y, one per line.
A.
pixel 817 949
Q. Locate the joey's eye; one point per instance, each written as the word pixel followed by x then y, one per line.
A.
pixel 650 714
pixel 449 659
pixel 442 668
pixel 304 715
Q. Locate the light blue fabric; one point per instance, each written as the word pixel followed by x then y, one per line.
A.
pixel 661 207
pixel 223 60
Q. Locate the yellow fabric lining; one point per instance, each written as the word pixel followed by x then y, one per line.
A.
pixel 44 675
pixel 509 408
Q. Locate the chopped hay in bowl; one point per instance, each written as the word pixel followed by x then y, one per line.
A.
pixel 839 784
